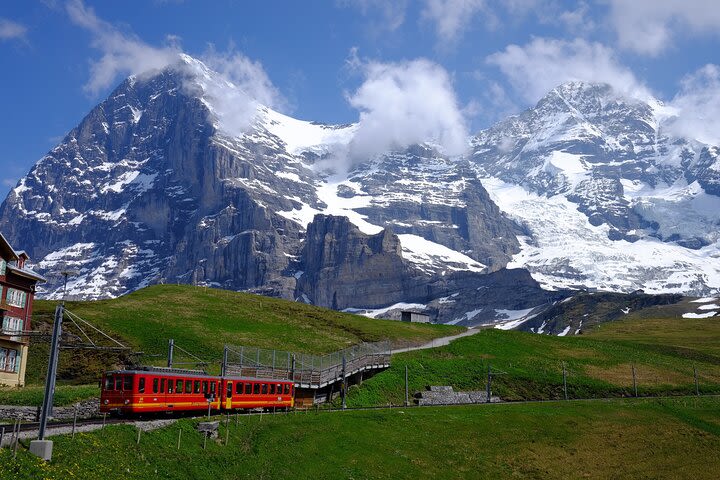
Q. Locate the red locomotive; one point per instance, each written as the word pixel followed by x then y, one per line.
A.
pixel 173 390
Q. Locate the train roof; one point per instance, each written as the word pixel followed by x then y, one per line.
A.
pixel 173 372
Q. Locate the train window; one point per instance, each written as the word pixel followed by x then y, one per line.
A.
pixel 248 388
pixel 239 388
pixel 213 387
pixel 155 385
pixel 118 383
pixel 188 386
pixel 141 385
pixel 162 386
pixel 279 389
pixel 108 383
pixel 272 389
pixel 256 388
pixel 287 389
pixel 197 386
pixel 229 390
pixel 178 386
pixel 205 387
pixel 170 385
pixel 127 383
pixel 264 388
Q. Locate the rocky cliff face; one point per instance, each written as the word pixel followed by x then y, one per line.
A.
pixel 152 187
pixel 156 185
pixel 345 268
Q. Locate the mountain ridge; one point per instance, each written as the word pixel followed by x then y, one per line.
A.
pixel 153 186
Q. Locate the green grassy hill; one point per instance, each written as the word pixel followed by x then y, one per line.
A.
pixel 202 320
pixel 631 439
pixel 529 366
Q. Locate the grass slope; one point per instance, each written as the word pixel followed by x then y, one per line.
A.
pixel 677 438
pixel 202 320
pixel 529 366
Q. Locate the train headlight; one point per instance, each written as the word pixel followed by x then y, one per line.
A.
pixel 127 402
pixel 106 401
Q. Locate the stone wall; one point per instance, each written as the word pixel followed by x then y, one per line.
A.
pixel 443 395
pixel 86 409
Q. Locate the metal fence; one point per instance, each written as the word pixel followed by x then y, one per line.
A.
pixel 306 370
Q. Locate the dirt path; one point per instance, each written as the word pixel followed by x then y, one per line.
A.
pixel 439 342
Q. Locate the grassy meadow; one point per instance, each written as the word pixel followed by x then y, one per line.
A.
pixel 621 438
pixel 528 366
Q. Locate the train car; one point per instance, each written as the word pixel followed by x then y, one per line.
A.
pixel 153 390
pixel 256 393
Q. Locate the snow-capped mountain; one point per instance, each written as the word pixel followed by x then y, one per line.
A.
pixel 610 198
pixel 159 183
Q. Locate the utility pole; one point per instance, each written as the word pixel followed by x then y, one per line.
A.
pixel 41 447
pixel 344 381
pixel 489 383
pixel 407 393
pixel 223 368
pixel 171 348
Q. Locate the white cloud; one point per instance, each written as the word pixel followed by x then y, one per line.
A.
pixel 122 54
pixel 240 88
pixel 236 89
pixel 698 106
pixel 392 13
pixel 406 103
pixel 453 17
pixel 10 29
pixel 648 26
pixel 541 65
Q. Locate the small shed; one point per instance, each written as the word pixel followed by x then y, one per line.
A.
pixel 415 317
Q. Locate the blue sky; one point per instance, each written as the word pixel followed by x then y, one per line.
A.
pixel 328 60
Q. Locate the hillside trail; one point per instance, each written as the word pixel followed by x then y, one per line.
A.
pixel 438 342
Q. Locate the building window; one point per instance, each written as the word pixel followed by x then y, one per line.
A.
pixel 3 358
pixel 3 264
pixel 11 359
pixel 16 297
pixel 12 325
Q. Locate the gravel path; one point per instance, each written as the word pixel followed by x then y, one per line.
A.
pixel 439 342
pixel 145 426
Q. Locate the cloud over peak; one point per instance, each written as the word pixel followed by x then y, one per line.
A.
pixel 403 103
pixel 544 63
pixel 122 54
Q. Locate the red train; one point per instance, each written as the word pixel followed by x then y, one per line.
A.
pixel 171 390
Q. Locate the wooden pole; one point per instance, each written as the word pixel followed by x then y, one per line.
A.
pixel 634 380
pixel 344 382
pixel 489 383
pixel 17 438
pixel 179 437
pixel 565 381
pixel 74 422
pixel 138 437
pixel 407 392
pixel 104 418
pixel 2 434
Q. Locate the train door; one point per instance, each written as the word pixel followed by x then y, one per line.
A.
pixel 228 395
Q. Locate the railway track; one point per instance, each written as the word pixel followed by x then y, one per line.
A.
pixel 32 426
